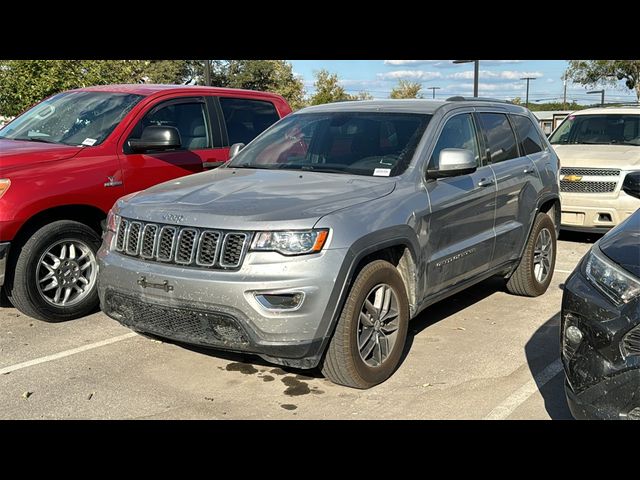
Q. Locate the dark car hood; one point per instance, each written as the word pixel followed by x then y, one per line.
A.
pixel 622 244
pixel 18 153
pixel 254 199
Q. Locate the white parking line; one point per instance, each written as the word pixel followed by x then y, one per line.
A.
pixel 562 271
pixel 517 398
pixel 66 353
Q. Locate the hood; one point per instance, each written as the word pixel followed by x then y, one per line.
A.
pixel 17 153
pixel 622 244
pixel 252 199
pixel 625 157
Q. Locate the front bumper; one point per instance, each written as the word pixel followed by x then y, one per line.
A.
pixel 602 380
pixel 592 211
pixel 218 308
pixel 4 254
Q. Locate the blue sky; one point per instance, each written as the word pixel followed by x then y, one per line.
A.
pixel 498 78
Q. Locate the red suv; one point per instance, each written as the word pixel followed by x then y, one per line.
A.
pixel 64 162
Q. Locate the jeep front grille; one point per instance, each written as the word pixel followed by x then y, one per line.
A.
pixel 587 187
pixel 593 172
pixel 185 246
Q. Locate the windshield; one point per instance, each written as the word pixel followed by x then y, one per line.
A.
pixel 72 118
pixel 611 129
pixel 360 143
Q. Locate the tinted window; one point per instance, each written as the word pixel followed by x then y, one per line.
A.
pixel 246 119
pixel 530 141
pixel 188 118
pixel 458 132
pixel 500 138
pixel 72 118
pixel 359 143
pixel 599 129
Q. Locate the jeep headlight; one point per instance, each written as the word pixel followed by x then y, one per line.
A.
pixel 610 279
pixel 113 221
pixel 294 242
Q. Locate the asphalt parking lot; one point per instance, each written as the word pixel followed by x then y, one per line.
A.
pixel 482 354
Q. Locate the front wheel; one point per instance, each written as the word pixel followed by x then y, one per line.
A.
pixel 367 345
pixel 55 273
pixel 533 275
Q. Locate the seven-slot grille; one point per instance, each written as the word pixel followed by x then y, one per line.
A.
pixel 589 185
pixel 188 246
pixel 631 342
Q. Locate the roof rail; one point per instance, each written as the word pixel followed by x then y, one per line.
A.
pixel 459 98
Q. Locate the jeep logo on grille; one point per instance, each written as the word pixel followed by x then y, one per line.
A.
pixel 169 217
pixel 572 178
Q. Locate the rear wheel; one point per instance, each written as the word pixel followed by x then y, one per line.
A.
pixel 533 275
pixel 55 273
pixel 370 335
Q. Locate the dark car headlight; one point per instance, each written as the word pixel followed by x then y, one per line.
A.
pixel 610 279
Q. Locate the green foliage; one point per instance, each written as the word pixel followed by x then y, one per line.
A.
pixel 26 82
pixel 173 71
pixel 363 95
pixel 607 72
pixel 406 89
pixel 269 75
pixel 328 89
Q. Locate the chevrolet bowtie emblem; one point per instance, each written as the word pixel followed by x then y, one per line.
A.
pixel 572 178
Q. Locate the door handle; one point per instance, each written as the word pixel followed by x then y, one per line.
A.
pixel 485 182
pixel 529 170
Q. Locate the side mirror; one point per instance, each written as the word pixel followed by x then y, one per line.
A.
pixel 156 137
pixel 235 148
pixel 453 162
pixel 631 184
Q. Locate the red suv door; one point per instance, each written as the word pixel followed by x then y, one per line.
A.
pixel 201 144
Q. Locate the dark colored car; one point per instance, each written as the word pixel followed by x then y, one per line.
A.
pixel 600 324
pixel 64 162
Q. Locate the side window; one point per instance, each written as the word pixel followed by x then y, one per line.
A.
pixel 246 119
pixel 530 141
pixel 188 118
pixel 500 138
pixel 458 132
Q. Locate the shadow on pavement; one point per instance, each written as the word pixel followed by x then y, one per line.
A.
pixel 543 349
pixel 580 237
pixel 449 306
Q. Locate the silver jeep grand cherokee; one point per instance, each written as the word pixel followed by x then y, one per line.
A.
pixel 320 240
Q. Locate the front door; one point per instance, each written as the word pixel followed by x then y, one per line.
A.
pixel 460 229
pixel 190 117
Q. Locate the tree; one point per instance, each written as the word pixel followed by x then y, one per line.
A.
pixel 25 82
pixel 268 75
pixel 328 89
pixel 406 89
pixel 173 71
pixel 362 95
pixel 593 72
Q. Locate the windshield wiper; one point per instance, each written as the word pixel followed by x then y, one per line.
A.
pixel 33 139
pixel 249 165
pixel 314 168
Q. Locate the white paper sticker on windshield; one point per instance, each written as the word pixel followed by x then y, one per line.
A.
pixel 382 172
pixel 89 141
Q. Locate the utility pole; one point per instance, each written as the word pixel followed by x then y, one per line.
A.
pixel 476 72
pixel 602 98
pixel 527 79
pixel 564 96
pixel 434 90
pixel 207 73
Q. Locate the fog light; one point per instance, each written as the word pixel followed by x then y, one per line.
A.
pixel 280 301
pixel 634 414
pixel 573 334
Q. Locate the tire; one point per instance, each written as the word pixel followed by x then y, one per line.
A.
pixel 524 280
pixel 343 363
pixel 24 291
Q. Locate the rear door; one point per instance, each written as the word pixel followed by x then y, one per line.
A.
pixel 460 235
pixel 516 194
pixel 191 116
pixel 243 119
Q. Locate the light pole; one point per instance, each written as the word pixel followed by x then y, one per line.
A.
pixel 433 89
pixel 476 71
pixel 527 79
pixel 602 99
